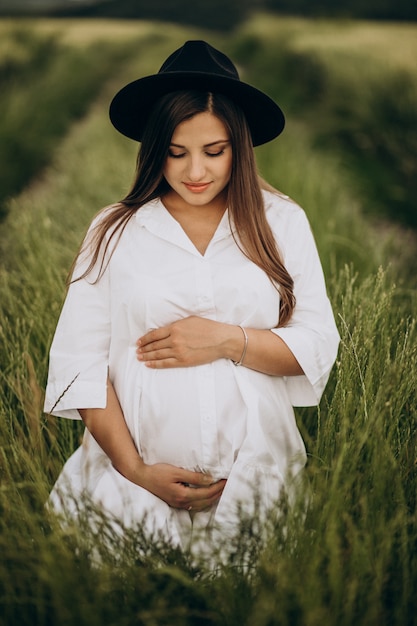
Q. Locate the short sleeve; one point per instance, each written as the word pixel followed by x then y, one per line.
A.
pixel 79 354
pixel 311 334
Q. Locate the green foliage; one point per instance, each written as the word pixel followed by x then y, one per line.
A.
pixel 345 553
pixel 368 9
pixel 45 87
pixel 360 109
pixel 377 129
pixel 217 14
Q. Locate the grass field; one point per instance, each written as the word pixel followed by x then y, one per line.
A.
pixel 352 559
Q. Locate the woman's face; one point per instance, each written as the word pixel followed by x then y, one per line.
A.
pixel 199 161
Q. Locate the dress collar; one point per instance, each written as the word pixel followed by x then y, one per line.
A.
pixel 157 219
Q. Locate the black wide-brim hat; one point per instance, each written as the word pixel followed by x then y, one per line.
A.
pixel 195 66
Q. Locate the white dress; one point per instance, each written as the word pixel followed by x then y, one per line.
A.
pixel 229 421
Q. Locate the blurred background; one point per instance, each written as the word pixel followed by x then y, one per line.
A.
pixel 345 74
pixel 201 13
pixel 351 62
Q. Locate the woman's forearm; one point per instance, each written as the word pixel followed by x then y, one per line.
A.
pixel 109 429
pixel 197 340
pixel 265 352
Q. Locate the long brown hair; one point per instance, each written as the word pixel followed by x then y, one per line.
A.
pixel 245 202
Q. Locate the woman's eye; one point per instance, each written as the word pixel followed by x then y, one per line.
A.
pixel 215 154
pixel 180 155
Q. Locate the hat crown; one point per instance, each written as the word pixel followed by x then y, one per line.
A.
pixel 199 56
pixel 196 66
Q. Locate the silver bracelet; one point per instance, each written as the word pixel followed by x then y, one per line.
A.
pixel 245 347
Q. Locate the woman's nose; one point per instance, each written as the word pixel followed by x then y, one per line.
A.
pixel 196 169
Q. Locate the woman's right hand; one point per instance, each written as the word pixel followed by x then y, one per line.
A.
pixel 179 488
pixel 168 482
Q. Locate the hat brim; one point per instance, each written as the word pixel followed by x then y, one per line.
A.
pixel 131 106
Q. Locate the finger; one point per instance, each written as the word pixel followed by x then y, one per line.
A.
pixel 201 504
pixel 156 346
pixel 160 364
pixel 206 494
pixel 215 491
pixel 202 493
pixel 196 479
pixel 155 334
pixel 199 498
pixel 155 351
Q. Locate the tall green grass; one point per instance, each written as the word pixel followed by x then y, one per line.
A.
pixel 350 557
pixel 362 106
pixel 46 85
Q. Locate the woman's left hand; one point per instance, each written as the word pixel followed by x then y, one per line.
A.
pixel 186 342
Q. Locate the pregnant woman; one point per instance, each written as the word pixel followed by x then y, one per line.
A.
pixel 196 316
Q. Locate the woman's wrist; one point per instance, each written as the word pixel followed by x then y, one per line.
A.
pixel 133 470
pixel 245 347
pixel 236 344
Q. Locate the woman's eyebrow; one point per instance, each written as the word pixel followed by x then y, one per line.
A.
pixel 207 145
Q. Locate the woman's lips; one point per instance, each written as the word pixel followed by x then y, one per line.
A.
pixel 197 187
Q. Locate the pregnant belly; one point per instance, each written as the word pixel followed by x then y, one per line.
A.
pixel 190 417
